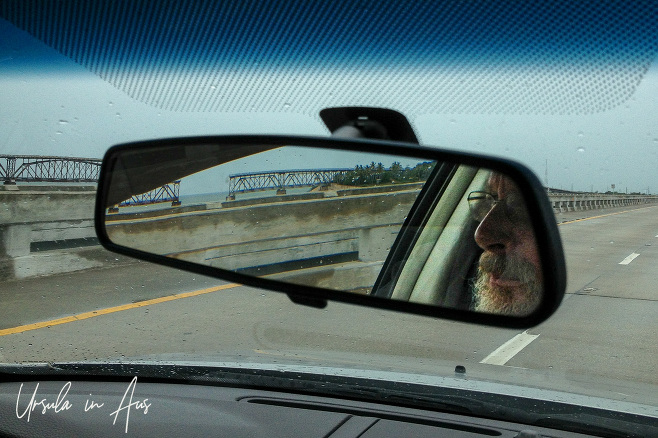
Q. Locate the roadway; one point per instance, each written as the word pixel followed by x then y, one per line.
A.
pixel 605 329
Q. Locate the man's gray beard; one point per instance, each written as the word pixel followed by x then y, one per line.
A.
pixel 506 300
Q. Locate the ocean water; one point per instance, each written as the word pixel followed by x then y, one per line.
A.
pixel 204 198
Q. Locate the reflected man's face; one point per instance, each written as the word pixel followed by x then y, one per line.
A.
pixel 509 280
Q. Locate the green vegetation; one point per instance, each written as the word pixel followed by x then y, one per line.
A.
pixel 377 174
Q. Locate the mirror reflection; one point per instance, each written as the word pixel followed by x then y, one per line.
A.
pixel 509 278
pixel 398 227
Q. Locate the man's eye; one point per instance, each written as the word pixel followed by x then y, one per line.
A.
pixel 480 203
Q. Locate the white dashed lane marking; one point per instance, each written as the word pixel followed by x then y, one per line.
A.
pixel 629 259
pixel 502 354
pixel 511 348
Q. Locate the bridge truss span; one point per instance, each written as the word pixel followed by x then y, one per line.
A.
pixel 281 180
pixel 33 168
pixel 166 193
pixel 38 168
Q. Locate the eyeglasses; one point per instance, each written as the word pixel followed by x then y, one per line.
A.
pixel 481 203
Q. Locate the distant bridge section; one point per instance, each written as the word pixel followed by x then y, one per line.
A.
pixel 167 193
pixel 38 168
pixel 280 180
pixel 31 168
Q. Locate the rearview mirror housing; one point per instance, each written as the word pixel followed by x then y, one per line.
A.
pixel 382 224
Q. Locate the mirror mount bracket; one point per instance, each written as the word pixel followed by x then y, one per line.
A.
pixel 368 122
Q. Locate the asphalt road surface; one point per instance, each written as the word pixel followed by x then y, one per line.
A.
pixel 605 330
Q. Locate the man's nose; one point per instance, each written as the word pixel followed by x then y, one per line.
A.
pixel 494 232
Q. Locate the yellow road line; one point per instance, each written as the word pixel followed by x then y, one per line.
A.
pixel 94 313
pixel 602 215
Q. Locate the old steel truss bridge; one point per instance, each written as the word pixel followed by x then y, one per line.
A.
pixel 37 168
pixel 33 168
pixel 281 180
pixel 166 193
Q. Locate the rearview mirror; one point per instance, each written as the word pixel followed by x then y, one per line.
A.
pixel 384 224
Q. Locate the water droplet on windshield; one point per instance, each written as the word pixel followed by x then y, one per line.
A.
pixel 287 105
pixel 63 122
pixel 581 149
pixel 581 134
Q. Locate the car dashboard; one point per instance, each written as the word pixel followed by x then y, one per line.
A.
pixel 107 409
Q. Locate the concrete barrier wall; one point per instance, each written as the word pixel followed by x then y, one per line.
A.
pixel 49 229
pixel 261 235
pixel 33 219
pixel 563 203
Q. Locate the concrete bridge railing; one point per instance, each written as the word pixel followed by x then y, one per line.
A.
pixel 47 230
pixel 562 203
pixel 362 227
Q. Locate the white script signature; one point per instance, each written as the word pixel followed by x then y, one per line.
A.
pixel 61 403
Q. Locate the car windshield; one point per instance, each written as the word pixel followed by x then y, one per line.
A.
pixel 568 89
